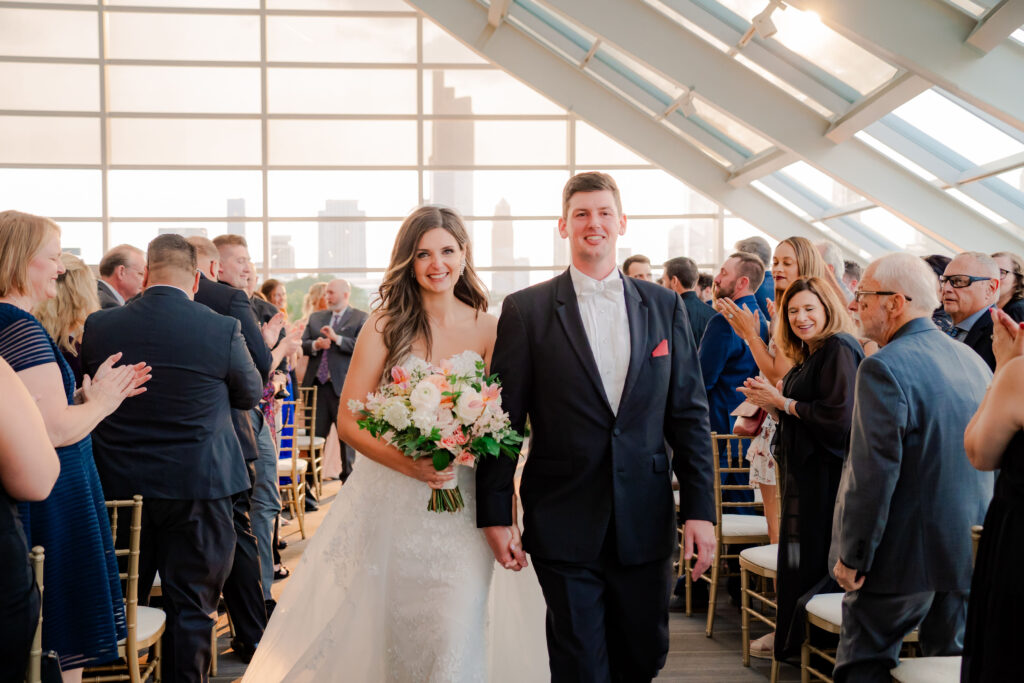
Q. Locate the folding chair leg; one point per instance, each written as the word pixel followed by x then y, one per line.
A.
pixel 745 615
pixel 213 646
pixel 689 589
pixel 301 516
pixel 713 592
pixel 805 656
pixel 775 671
pixel 158 672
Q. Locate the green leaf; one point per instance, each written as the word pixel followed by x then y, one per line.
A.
pixel 441 459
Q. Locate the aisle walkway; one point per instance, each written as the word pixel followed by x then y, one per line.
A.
pixel 692 658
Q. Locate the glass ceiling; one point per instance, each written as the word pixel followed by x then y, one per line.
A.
pixel 971 156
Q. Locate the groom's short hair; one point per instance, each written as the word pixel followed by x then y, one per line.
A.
pixel 591 181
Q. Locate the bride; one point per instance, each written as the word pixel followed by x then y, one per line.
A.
pixel 386 590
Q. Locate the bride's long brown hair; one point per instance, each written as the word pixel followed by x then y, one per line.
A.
pixel 403 318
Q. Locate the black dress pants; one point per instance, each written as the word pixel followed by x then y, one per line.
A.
pixel 327 403
pixel 606 622
pixel 191 544
pixel 243 590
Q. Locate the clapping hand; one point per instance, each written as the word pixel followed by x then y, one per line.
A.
pixel 1007 338
pixel 745 324
pixel 292 341
pixel 272 329
pixel 110 385
pixel 761 393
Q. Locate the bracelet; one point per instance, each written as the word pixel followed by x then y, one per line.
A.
pixel 786 405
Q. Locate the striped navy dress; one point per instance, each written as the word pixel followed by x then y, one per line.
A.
pixel 83 612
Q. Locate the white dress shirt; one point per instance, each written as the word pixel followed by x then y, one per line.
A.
pixel 110 288
pixel 603 310
pixel 335 319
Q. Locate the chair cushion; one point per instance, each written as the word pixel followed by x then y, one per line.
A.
pixel 284 466
pixel 744 525
pixel 827 606
pixel 928 670
pixel 300 432
pixel 302 442
pixel 148 622
pixel 766 556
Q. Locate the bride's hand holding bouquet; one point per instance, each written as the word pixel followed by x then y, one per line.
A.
pixel 443 415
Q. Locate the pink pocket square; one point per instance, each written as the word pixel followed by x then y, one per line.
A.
pixel 661 349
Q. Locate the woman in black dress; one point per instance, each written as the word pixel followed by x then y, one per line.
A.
pixel 28 470
pixel 994 440
pixel 1011 284
pixel 815 408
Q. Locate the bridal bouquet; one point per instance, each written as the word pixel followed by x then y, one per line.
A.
pixel 446 413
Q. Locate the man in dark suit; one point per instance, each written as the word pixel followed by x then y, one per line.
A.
pixel 908 495
pixel 243 591
pixel 174 443
pixel 328 340
pixel 680 275
pixel 606 371
pixel 759 247
pixel 970 287
pixel 120 278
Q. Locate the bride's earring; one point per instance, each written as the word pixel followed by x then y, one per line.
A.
pixel 462 268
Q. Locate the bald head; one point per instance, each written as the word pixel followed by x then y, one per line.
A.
pixel 338 293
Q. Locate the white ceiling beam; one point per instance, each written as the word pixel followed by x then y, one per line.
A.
pixel 684 58
pixel 997 24
pixel 990 169
pixel 928 38
pixel 766 163
pixel 876 105
pixel 497 11
pixel 564 84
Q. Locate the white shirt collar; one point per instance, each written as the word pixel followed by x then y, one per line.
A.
pixel 579 277
pixel 110 288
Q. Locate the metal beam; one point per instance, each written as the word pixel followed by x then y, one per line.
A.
pixel 990 169
pixel 876 105
pixel 997 24
pixel 560 81
pixel 683 57
pixel 928 38
pixel 496 12
pixel 766 163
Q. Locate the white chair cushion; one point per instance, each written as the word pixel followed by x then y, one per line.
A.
pixel 827 606
pixel 744 525
pixel 766 556
pixel 148 622
pixel 300 432
pixel 928 670
pixel 284 467
pixel 675 494
pixel 302 442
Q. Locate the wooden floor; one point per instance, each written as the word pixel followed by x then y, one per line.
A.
pixel 692 656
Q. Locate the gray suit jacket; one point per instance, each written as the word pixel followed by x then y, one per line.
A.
pixel 339 355
pixel 908 495
pixel 105 292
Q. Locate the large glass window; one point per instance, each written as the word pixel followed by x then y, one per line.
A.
pixel 125 123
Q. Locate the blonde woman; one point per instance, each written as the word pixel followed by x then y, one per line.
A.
pixel 64 315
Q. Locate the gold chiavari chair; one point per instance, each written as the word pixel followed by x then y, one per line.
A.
pixel 34 673
pixel 292 468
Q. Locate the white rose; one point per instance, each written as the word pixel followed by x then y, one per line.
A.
pixel 425 420
pixel 426 397
pixel 356 406
pixel 469 406
pixel 396 414
pixel 465 363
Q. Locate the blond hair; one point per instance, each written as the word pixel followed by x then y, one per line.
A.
pixel 836 318
pixel 316 293
pixel 21 237
pixel 64 315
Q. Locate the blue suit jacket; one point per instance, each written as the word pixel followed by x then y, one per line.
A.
pixel 725 361
pixel 908 495
pixel 764 292
pixel 176 440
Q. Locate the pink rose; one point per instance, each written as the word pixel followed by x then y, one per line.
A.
pixel 454 441
pixel 466 459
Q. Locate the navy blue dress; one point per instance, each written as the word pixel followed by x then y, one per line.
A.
pixel 83 611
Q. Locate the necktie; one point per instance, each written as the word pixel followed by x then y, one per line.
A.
pixel 609 289
pixel 323 373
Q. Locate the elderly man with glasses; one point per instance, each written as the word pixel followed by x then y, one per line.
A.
pixel 970 287
pixel 908 496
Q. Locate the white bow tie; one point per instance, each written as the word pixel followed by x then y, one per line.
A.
pixel 609 289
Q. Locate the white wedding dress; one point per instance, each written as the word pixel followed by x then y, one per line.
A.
pixel 389 591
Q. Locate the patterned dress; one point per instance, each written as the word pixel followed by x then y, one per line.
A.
pixel 83 611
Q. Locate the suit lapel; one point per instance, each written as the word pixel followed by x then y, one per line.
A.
pixel 344 317
pixel 568 310
pixel 636 313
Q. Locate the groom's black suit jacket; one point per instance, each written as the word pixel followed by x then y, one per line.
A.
pixel 587 466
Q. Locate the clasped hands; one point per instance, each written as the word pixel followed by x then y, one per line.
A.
pixel 762 394
pixel 507 545
pixel 328 337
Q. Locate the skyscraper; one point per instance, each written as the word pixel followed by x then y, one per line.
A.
pixel 502 248
pixel 342 244
pixel 282 253
pixel 452 144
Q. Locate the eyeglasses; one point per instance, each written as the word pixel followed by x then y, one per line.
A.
pixel 961 281
pixel 863 292
pixel 1003 273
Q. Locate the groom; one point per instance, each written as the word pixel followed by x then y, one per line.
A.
pixel 606 370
